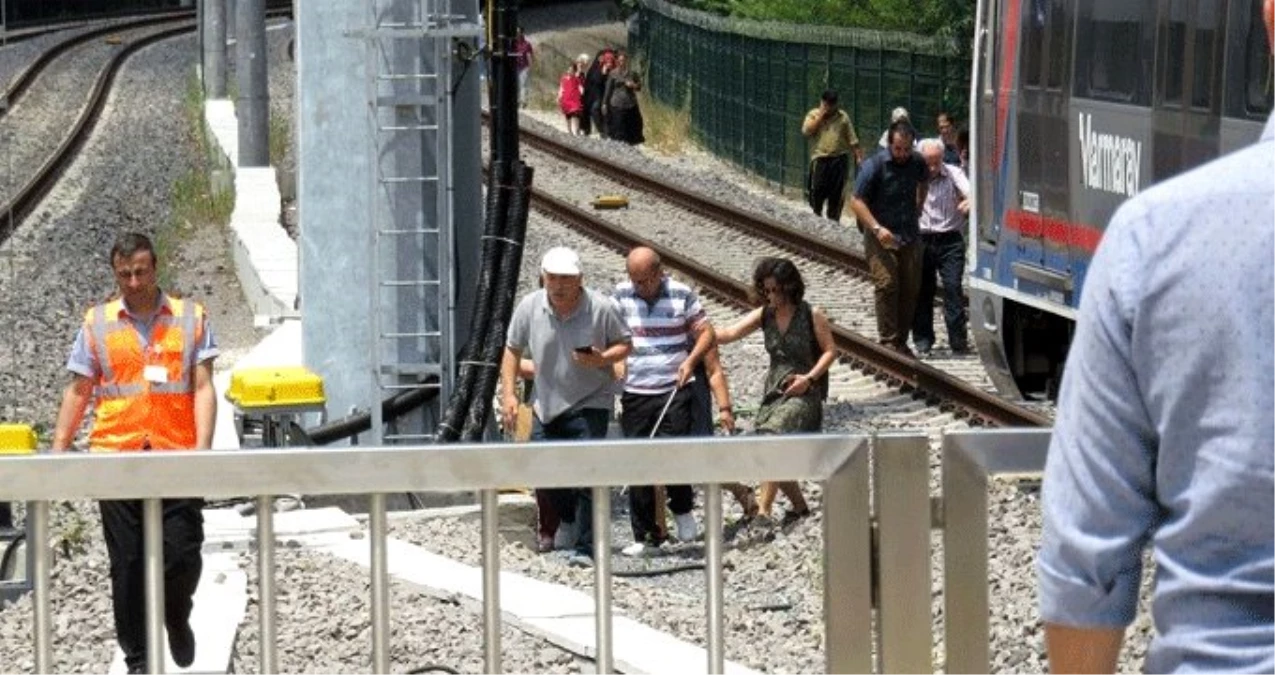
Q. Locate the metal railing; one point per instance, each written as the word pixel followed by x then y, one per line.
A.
pixel 895 542
pixel 839 460
pixel 970 458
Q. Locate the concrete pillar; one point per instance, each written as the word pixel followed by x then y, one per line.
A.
pixel 214 46
pixel 337 201
pixel 253 105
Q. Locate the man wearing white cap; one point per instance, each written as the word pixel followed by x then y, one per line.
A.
pixel 574 335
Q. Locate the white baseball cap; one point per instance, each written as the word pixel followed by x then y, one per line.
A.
pixel 561 260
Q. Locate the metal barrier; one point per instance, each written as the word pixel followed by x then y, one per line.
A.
pixel 895 543
pixel 839 460
pixel 969 458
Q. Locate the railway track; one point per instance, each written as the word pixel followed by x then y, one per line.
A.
pixel 28 195
pixel 739 246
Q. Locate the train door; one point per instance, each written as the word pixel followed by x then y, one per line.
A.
pixel 987 148
pixel 1042 144
pixel 1247 82
pixel 1186 115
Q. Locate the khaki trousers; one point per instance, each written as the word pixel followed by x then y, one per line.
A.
pixel 896 274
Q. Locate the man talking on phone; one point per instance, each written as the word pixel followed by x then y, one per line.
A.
pixel 833 140
pixel 575 336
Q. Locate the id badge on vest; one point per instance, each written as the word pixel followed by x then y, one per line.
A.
pixel 154 371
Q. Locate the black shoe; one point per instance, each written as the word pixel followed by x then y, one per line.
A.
pixel 182 643
pixel 136 669
pixel 960 348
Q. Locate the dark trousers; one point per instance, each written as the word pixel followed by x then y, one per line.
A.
pixel 572 505
pixel 826 182
pixel 183 563
pixel 896 277
pixel 598 119
pixel 639 413
pixel 944 255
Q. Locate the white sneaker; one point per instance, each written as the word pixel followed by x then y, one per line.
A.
pixel 635 550
pixel 687 529
pixel 566 537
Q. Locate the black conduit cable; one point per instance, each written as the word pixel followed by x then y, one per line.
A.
pixel 497 204
pixel 502 305
pixel 9 561
pixel 503 103
pixel 391 408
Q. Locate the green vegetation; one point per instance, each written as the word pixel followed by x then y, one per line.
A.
pixel 280 136
pixel 952 19
pixel 667 129
pixel 194 202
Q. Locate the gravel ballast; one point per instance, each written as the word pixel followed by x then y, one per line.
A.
pixel 53 268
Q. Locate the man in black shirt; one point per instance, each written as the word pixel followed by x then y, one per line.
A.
pixel 888 195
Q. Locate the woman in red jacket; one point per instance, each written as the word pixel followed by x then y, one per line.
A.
pixel 571 97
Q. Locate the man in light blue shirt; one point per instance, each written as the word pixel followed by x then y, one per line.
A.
pixel 1164 435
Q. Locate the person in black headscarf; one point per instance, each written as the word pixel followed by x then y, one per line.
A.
pixel 595 82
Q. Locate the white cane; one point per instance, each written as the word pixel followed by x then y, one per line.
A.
pixel 667 403
pixel 660 493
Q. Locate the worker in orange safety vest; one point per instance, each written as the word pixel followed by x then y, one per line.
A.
pixel 146 358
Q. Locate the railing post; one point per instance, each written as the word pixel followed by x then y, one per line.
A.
pixel 713 553
pixel 491 581
pixel 269 662
pixel 38 554
pixel 380 585
pixel 902 493
pixel 602 575
pixel 965 624
pixel 153 547
pixel 847 586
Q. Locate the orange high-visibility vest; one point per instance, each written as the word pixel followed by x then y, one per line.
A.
pixel 134 411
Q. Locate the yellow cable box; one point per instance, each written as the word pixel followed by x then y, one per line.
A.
pixel 17 439
pixel 275 387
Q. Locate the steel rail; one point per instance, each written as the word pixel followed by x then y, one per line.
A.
pixel 772 230
pixel 29 195
pixel 28 76
pixel 26 199
pixel 865 353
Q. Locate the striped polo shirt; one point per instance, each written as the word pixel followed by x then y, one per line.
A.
pixel 662 337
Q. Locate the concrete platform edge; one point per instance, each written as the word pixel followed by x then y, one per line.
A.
pixel 637 648
pixel 265 256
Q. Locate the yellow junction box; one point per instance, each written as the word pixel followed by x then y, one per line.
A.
pixel 17 439
pixel 275 387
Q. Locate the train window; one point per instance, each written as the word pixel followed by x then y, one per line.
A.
pixel 1207 56
pixel 1113 55
pixel 1257 68
pixel 1033 43
pixel 1059 54
pixel 1174 55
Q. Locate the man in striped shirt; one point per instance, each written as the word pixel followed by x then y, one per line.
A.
pixel 942 226
pixel 671 333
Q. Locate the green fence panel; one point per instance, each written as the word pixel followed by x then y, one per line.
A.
pixel 751 83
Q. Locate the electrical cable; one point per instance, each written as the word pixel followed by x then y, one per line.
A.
pixel 9 561
pixel 506 288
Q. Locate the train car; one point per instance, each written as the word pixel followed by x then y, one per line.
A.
pixel 1076 106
